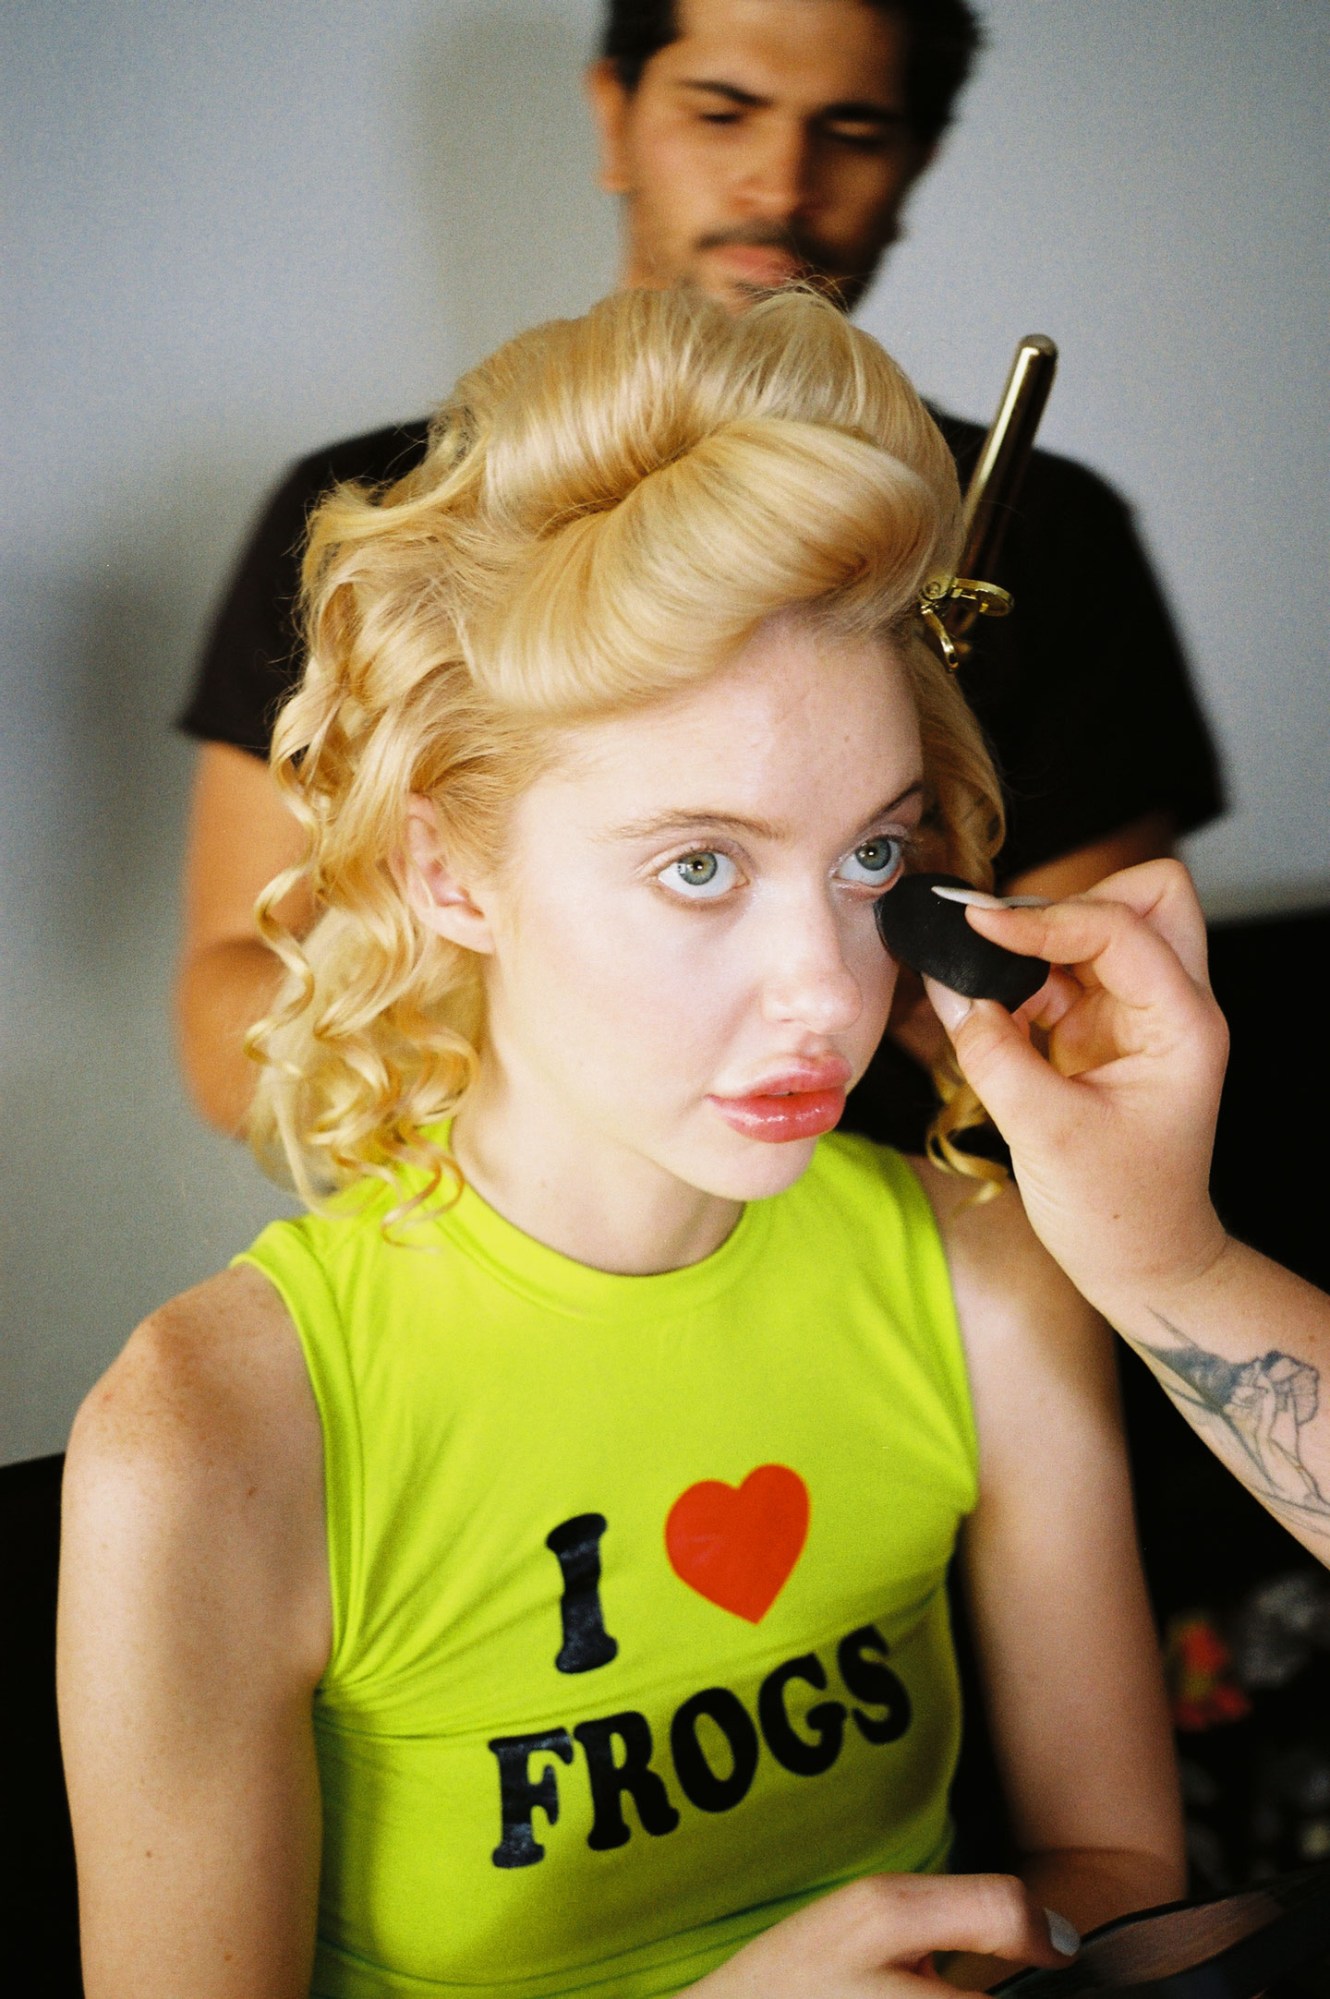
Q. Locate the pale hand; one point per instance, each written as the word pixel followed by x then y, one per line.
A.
pixel 875 1939
pixel 1111 1132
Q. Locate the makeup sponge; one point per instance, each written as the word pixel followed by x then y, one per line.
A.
pixel 932 936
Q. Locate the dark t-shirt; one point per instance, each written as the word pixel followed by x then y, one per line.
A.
pixel 1082 692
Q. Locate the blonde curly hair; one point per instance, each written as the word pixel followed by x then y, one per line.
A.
pixel 607 510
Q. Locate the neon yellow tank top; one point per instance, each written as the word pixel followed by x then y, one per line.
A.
pixel 640 1630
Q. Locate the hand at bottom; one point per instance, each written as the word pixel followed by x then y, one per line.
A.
pixel 875 1939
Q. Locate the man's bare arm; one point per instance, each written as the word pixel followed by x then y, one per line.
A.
pixel 1149 838
pixel 241 836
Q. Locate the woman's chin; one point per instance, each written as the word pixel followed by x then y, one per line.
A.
pixel 749 1169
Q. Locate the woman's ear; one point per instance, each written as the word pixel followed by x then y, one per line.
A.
pixel 436 893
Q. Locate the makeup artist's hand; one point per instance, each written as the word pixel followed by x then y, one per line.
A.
pixel 914 1025
pixel 875 1939
pixel 1111 1132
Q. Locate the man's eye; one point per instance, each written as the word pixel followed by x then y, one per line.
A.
pixel 700 876
pixel 874 862
pixel 862 138
pixel 719 117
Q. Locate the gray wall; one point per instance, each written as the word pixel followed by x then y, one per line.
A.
pixel 238 231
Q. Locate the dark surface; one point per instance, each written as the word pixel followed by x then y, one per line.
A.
pixel 933 937
pixel 40 1898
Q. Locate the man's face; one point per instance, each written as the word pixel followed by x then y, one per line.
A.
pixel 768 142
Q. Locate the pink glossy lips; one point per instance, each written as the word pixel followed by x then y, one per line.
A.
pixel 802 1103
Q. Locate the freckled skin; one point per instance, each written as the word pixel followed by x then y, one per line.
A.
pixel 768 141
pixel 618 1008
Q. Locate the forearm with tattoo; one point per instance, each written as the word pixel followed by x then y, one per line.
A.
pixel 1253 1413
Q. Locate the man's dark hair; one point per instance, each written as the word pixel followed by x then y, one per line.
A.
pixel 942 39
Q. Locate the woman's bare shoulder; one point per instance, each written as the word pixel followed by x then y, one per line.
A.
pixel 1014 1303
pixel 201 1447
pixel 1040 1359
pixel 988 1241
pixel 212 1373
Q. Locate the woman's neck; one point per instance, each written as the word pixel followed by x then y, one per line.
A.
pixel 590 1198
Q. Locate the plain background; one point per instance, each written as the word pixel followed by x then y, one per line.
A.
pixel 240 230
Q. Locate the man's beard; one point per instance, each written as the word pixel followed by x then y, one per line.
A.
pixel 817 265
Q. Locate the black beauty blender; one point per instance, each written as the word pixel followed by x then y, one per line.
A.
pixel 932 936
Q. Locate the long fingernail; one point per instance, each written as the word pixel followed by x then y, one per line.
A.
pixel 1064 1936
pixel 975 898
pixel 950 1007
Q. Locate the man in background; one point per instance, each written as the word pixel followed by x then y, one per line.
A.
pixel 751 142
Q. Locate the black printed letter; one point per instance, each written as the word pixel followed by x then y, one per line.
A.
pixel 701 1785
pixel 826 1719
pixel 634 1775
pixel 873 1683
pixel 519 1797
pixel 586 1642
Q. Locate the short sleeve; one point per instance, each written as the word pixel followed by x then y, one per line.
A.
pixel 251 657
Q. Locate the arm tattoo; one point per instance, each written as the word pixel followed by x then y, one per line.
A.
pixel 1258 1405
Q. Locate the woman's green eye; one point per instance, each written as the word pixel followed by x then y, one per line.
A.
pixel 874 861
pixel 700 876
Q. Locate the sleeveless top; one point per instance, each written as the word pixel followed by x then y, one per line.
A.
pixel 640 1627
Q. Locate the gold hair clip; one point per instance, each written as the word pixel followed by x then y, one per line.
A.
pixel 989 600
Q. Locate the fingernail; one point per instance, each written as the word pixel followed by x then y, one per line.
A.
pixel 950 1008
pixel 1064 1936
pixel 975 898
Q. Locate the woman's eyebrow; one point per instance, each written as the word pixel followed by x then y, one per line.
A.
pixel 737 822
pixel 906 797
pixel 669 822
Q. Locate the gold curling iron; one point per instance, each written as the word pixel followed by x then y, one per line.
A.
pixel 990 500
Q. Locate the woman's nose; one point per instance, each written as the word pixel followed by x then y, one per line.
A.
pixel 810 981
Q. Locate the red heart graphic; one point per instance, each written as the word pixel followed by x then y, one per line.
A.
pixel 738 1548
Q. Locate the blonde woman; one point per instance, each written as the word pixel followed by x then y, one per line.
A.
pixel 525 1574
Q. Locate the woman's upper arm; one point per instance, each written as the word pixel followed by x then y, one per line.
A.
pixel 193 1627
pixel 1063 1625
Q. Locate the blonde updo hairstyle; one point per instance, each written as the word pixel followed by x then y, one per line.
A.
pixel 607 510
